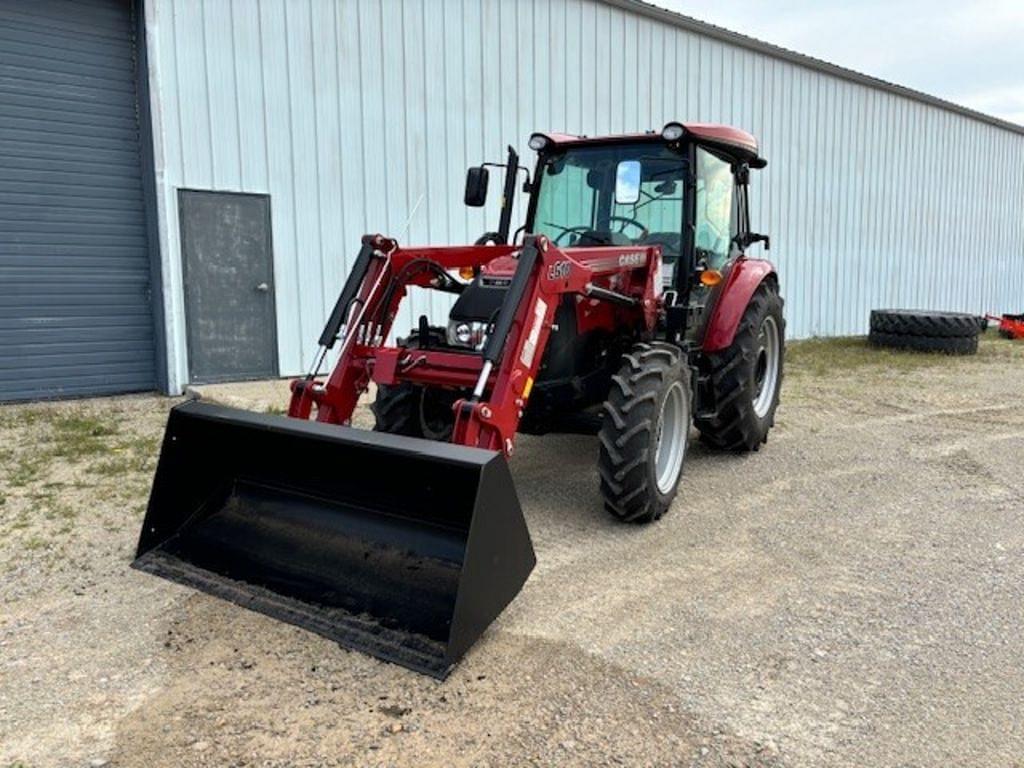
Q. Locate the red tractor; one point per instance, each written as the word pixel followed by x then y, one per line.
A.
pixel 625 306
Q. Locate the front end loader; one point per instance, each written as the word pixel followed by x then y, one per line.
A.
pixel 626 306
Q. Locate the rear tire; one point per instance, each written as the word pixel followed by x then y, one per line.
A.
pixel 746 377
pixel 645 432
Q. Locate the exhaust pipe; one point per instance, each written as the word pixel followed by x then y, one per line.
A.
pixel 402 548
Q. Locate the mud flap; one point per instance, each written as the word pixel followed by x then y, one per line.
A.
pixel 405 549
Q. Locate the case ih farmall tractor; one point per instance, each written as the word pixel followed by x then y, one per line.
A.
pixel 626 306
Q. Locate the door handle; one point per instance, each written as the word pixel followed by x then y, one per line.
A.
pixel 263 287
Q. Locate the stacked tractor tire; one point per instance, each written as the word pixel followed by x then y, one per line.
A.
pixel 953 333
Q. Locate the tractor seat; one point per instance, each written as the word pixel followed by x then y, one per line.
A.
pixel 671 245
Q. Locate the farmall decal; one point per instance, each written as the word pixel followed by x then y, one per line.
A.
pixel 530 347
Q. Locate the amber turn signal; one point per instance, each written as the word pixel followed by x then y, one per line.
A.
pixel 710 277
pixel 467 273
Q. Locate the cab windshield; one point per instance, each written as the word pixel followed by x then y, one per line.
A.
pixel 576 203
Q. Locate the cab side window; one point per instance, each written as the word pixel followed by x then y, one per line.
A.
pixel 714 221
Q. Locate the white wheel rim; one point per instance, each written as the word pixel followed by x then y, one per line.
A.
pixel 766 366
pixel 673 424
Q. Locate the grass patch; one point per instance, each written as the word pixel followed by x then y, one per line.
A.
pixel 822 357
pixel 76 436
pixel 28 469
pixel 19 523
pixel 133 455
pixel 119 466
pixel 56 510
pixel 13 416
pixel 828 357
pixel 80 425
pixel 35 543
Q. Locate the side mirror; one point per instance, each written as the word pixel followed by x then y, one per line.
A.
pixel 476 186
pixel 747 239
pixel 627 182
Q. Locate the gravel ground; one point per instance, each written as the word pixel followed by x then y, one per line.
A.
pixel 851 595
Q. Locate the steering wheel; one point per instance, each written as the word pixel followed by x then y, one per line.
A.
pixel 644 232
pixel 567 231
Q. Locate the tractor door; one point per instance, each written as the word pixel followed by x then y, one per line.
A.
pixel 715 224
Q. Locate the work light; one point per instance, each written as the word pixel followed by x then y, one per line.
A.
pixel 673 131
pixel 538 141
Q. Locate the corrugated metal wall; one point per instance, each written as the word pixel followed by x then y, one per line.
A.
pixel 347 112
pixel 75 308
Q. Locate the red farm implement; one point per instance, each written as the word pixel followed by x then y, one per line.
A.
pixel 1010 326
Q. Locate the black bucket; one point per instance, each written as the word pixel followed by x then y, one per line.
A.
pixel 405 549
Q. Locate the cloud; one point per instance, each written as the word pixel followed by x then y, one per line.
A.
pixel 967 53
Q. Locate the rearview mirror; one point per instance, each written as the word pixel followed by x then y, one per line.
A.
pixel 627 182
pixel 476 186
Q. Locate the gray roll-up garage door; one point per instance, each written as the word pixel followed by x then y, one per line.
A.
pixel 75 305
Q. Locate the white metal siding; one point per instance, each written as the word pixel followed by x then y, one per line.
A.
pixel 347 111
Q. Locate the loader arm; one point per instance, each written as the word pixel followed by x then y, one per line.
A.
pixel 502 374
pixel 543 274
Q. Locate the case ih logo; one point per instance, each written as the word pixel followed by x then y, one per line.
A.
pixel 631 259
pixel 559 270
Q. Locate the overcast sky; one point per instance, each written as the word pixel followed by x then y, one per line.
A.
pixel 970 53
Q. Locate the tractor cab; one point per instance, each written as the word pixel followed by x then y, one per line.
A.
pixel 683 190
pixel 628 193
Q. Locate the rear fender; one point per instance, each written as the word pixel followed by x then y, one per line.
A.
pixel 734 295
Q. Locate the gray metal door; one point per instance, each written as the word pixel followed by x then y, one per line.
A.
pixel 229 285
pixel 75 306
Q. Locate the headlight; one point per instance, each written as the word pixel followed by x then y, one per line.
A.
pixel 466 333
pixel 538 141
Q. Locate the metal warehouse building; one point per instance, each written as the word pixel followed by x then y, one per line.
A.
pixel 185 182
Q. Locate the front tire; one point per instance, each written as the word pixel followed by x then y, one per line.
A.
pixel 414 410
pixel 645 432
pixel 746 377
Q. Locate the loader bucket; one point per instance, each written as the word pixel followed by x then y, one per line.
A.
pixel 402 548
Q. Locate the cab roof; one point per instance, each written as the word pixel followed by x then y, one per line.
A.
pixel 734 141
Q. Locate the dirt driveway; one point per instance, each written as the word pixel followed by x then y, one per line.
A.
pixel 852 595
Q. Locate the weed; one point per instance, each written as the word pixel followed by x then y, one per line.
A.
pixel 78 435
pixel 115 467
pixel 59 511
pixel 33 543
pixel 81 425
pixel 21 521
pixel 13 416
pixel 28 469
